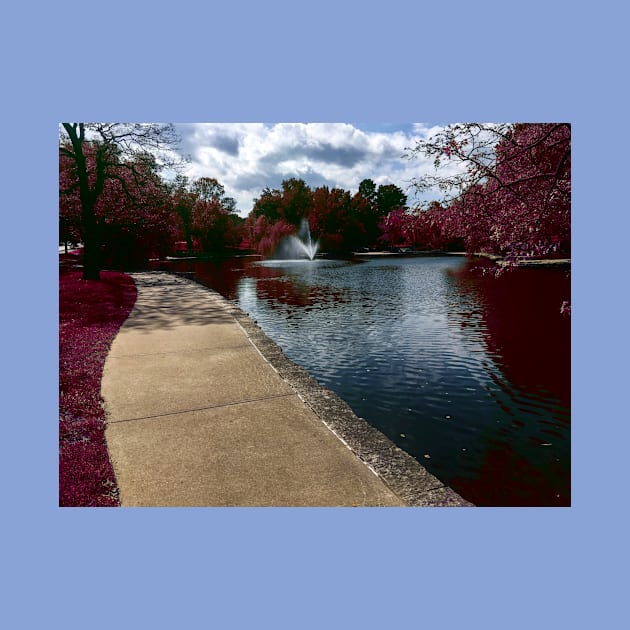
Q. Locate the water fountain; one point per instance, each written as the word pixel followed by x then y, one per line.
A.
pixel 298 245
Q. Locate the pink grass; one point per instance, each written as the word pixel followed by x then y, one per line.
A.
pixel 90 315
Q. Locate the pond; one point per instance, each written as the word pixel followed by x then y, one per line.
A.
pixel 467 372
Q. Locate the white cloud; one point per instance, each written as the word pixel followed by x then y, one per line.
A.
pixel 246 157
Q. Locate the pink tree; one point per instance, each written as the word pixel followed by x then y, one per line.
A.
pixel 531 193
pixel 397 228
pixel 132 216
pixel 429 228
pixel 100 152
pixel 264 235
pixel 507 188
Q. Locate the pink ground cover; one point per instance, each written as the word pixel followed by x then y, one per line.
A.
pixel 90 315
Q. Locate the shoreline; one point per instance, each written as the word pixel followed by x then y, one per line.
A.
pixel 404 475
pixel 495 258
pixel 499 260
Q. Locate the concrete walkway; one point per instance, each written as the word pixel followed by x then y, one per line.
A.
pixel 198 417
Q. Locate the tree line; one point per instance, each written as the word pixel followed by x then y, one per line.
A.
pixel 114 200
pixel 342 222
pixel 505 189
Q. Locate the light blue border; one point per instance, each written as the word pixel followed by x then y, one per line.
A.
pixel 331 61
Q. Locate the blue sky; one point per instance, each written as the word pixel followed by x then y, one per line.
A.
pixel 246 157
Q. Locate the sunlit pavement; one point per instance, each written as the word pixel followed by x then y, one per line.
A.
pixel 197 416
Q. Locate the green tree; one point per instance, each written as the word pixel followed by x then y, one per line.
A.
pixel 268 204
pixel 371 205
pixel 334 221
pixel 388 198
pixel 367 189
pixel 210 189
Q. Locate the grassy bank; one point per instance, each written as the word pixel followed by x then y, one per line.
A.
pixel 90 315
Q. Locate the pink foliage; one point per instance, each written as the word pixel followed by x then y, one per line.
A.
pixel 90 315
pixel 397 228
pixel 275 233
pixel 132 212
pixel 514 189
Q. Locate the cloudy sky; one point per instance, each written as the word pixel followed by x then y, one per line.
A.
pixel 246 157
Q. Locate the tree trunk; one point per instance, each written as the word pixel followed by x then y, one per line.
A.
pixel 91 245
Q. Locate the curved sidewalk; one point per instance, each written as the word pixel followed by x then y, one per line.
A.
pixel 197 416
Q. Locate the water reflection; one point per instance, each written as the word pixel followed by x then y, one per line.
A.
pixel 519 317
pixel 297 286
pixel 468 373
pixel 527 342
